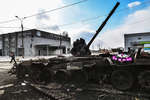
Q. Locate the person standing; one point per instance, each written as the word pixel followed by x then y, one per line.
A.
pixel 12 57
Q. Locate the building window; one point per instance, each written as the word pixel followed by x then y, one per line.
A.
pixel 64 50
pixel 139 38
pixel 38 33
pixel 68 50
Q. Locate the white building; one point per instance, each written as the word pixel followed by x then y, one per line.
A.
pixel 137 40
pixel 36 43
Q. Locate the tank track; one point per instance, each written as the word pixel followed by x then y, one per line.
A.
pixel 53 93
pixel 57 93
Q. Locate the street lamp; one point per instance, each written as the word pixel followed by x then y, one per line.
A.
pixel 21 20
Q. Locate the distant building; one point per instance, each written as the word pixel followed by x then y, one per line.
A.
pixel 137 40
pixel 36 43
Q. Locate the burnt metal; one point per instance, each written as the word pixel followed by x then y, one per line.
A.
pixel 100 69
pixel 80 48
pixel 82 70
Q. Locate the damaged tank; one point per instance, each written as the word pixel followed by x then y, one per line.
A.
pixel 120 71
pixel 130 69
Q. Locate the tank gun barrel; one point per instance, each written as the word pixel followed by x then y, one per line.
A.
pixel 79 46
pixel 103 24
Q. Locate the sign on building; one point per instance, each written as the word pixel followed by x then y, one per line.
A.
pixel 147 48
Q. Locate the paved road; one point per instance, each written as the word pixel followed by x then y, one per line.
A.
pixel 5 65
pixel 5 78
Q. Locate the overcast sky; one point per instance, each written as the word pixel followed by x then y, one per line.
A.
pixel 132 16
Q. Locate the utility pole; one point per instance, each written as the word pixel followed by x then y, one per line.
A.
pixel 21 21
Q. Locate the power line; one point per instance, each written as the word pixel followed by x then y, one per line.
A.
pixel 8 21
pixel 57 8
pixel 84 20
pixel 69 5
pixel 13 27
pixel 132 23
pixel 138 21
pixel 97 17
pixel 9 27
pixel 86 23
pixel 126 8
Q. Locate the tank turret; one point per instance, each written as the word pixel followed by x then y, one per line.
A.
pixel 80 48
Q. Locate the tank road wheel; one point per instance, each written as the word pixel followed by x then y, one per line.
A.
pixel 144 79
pixel 61 76
pixel 122 79
pixel 79 76
pixel 46 75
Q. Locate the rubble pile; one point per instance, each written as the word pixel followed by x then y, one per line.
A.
pixel 21 92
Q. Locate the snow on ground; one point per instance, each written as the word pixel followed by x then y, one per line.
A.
pixel 5 60
pixel 5 66
pixel 40 57
pixel 20 58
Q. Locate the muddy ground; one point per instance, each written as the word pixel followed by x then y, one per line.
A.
pixel 12 89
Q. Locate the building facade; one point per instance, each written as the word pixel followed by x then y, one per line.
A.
pixel 137 40
pixel 35 43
